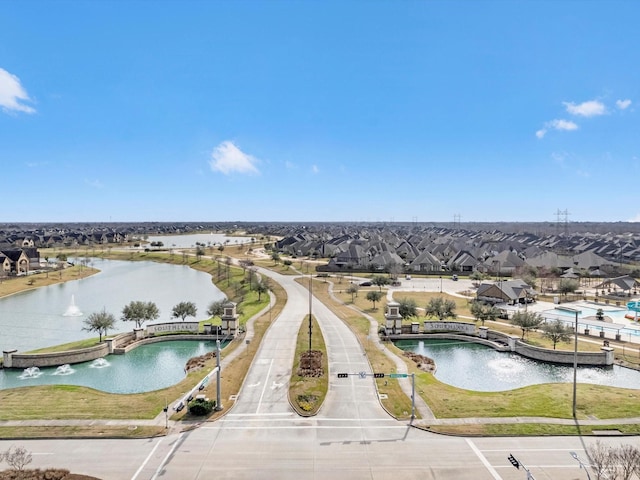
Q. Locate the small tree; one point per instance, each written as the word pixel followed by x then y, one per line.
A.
pixel 527 321
pixel 17 457
pixel 287 263
pixel 216 308
pixel 261 287
pixel 567 285
pixel 440 308
pixel 477 310
pixel 352 289
pixel 477 276
pixel 408 308
pixel 275 256
pixel 602 459
pixel 140 312
pixel 183 310
pixel 556 331
pixel 374 297
pixel 99 322
pixel 380 281
pixel 628 460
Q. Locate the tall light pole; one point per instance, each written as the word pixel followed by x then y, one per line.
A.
pixel 575 359
pixel 582 465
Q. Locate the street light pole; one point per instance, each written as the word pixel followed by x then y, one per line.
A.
pixel 582 465
pixel 575 364
pixel 575 358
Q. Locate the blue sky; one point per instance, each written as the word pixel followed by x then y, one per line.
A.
pixel 319 111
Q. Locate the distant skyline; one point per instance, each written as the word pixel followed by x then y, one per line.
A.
pixel 431 111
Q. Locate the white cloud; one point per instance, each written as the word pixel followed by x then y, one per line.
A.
pixel 635 219
pixel 12 94
pixel 315 169
pixel 560 124
pixel 589 108
pixel 93 183
pixel 557 124
pixel 228 158
pixel 290 165
pixel 623 104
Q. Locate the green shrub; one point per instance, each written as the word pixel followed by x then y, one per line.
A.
pixel 200 407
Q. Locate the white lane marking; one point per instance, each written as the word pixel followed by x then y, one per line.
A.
pixel 308 427
pixel 258 414
pixel 276 385
pixel 532 450
pixel 254 385
pixel 164 460
pixel 484 461
pixel 135 475
pixel 265 386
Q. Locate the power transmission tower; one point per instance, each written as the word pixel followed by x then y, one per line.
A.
pixel 562 221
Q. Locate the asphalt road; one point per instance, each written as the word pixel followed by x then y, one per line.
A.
pixel 351 438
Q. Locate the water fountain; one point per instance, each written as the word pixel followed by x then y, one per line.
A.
pixel 99 363
pixel 31 372
pixel 72 309
pixel 64 370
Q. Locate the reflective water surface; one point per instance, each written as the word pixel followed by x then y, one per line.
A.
pixel 36 319
pixel 477 367
pixel 146 368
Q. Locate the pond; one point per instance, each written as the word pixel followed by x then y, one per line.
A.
pixel 190 240
pixel 473 366
pixel 36 319
pixel 143 369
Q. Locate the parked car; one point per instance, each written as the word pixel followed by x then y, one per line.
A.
pixel 454 277
pixel 366 284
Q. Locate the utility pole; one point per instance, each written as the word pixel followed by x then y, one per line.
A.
pixel 310 298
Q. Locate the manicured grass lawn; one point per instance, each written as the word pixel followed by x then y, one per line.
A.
pixel 11 285
pixel 530 429
pixel 548 400
pixel 306 394
pixel 83 431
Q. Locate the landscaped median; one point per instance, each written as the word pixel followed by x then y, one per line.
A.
pixel 310 374
pixel 544 401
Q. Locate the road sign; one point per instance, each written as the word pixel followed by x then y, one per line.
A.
pixel 378 375
pixel 343 375
pixel 514 461
pixel 398 375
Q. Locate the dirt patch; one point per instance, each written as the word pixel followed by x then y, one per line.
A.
pixel 311 364
pixel 425 364
pixel 48 474
pixel 198 363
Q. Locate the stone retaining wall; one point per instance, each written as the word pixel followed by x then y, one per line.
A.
pixel 26 360
pixel 119 344
pixel 504 342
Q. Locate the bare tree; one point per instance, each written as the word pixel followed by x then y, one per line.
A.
pixel 628 460
pixel 602 458
pixel 17 457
